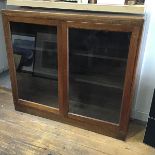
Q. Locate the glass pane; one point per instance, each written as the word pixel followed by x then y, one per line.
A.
pixel 97 64
pixel 35 55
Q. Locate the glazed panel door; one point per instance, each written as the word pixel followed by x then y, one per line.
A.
pixel 97 68
pixel 35 51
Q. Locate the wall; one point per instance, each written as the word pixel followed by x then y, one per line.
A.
pixel 3 58
pixel 145 81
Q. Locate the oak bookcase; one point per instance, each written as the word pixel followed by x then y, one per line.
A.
pixel 74 67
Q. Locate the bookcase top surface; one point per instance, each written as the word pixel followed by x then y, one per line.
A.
pixel 63 15
pixel 129 9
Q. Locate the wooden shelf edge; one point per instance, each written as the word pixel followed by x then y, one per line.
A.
pixel 129 9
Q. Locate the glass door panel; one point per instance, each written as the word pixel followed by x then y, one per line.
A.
pixel 97 64
pixel 35 56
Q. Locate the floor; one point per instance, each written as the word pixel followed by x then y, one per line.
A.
pixel 24 134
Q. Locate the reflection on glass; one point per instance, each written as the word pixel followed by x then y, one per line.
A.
pixel 35 56
pixel 97 64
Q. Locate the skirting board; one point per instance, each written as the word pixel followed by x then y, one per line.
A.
pixel 131 9
pixel 139 115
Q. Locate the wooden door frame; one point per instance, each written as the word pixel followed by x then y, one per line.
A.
pixel 12 69
pixel 63 21
pixel 129 75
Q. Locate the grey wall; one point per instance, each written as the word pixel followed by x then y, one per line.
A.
pixel 3 58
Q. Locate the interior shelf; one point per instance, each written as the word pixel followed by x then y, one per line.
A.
pixel 94 111
pixel 36 89
pixel 96 72
pixel 95 101
pixel 104 81
pixel 101 56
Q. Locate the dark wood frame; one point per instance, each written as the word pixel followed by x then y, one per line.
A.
pixel 64 20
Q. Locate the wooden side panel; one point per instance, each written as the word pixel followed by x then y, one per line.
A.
pixel 129 80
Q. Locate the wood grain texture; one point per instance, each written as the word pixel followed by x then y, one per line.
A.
pixel 63 65
pixel 25 134
pixel 129 79
pixel 106 18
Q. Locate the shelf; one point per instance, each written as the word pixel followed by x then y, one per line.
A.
pixel 131 9
pixel 95 72
pixel 36 89
pixel 101 57
pixel 39 49
pixel 105 81
pixel 104 84
pixel 95 102
pixel 45 72
pixel 93 111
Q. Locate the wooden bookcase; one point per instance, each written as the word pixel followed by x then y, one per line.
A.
pixel 77 68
